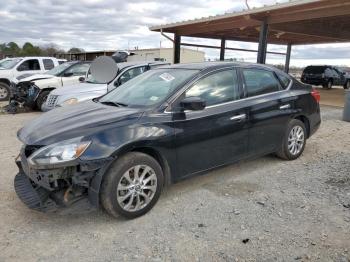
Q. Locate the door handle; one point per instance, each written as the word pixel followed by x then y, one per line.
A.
pixel 238 117
pixel 287 106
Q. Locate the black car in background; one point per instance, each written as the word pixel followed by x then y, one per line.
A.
pixel 327 76
pixel 163 126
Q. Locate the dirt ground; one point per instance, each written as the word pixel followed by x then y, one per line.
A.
pixel 260 210
pixel 332 97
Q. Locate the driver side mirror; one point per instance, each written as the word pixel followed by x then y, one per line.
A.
pixel 193 103
pixel 81 79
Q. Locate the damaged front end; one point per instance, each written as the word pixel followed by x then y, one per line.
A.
pixel 23 95
pixel 48 188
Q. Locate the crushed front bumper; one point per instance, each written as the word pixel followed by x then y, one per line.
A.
pixel 33 196
pixel 48 190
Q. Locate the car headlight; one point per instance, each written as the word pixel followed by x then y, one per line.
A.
pixel 70 101
pixel 60 152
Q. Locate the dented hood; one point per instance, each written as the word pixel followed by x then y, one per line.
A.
pixel 78 120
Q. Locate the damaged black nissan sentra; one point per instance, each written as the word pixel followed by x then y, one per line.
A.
pixel 168 124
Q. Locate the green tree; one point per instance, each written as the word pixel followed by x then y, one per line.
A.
pixel 10 49
pixel 29 49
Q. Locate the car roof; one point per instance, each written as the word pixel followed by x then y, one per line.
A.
pixel 123 65
pixel 221 64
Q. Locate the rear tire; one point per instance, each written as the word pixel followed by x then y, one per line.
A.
pixel 4 92
pixel 132 185
pixel 328 85
pixel 42 98
pixel 347 84
pixel 294 140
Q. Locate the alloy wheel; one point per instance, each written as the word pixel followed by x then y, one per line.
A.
pixel 136 188
pixel 3 92
pixel 296 140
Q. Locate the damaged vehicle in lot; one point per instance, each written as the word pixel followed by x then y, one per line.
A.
pixel 163 126
pixel 92 89
pixel 14 67
pixel 32 91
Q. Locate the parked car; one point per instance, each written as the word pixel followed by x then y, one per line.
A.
pixel 22 65
pixel 163 126
pixel 34 89
pixel 4 62
pixel 327 76
pixel 91 88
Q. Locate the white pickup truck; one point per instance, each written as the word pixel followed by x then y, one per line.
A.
pixel 14 67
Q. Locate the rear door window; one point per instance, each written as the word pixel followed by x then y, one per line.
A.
pixel 48 64
pixel 259 82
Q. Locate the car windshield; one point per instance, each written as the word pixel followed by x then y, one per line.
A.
pixel 149 88
pixel 10 63
pixel 58 69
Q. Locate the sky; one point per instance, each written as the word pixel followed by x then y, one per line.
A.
pixel 115 24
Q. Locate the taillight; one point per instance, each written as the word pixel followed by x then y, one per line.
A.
pixel 316 95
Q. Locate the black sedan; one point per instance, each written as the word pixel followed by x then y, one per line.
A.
pixel 163 126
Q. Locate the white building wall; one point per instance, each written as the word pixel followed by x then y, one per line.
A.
pixel 166 55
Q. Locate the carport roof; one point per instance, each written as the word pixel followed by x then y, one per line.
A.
pixel 297 22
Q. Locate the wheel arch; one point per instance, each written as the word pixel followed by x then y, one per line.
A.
pixel 94 189
pixel 151 151
pixel 159 158
pixel 306 122
pixel 5 81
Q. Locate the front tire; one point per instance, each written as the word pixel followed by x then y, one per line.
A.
pixel 132 185
pixel 294 141
pixel 42 97
pixel 4 92
pixel 347 84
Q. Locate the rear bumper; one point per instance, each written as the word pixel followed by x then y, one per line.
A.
pixel 315 121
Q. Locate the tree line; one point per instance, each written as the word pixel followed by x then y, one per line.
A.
pixel 12 49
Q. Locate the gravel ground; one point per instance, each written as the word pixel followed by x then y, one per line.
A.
pixel 259 210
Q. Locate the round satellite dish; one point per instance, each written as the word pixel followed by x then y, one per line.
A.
pixel 104 69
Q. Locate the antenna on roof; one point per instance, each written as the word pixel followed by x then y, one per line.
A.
pixel 246 3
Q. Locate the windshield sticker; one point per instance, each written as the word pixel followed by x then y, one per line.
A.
pixel 167 77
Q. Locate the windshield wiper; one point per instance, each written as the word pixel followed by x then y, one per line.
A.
pixel 111 103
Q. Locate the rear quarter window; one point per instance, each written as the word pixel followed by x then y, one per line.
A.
pixel 314 70
pixel 285 80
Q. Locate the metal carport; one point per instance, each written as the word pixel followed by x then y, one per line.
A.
pixel 301 22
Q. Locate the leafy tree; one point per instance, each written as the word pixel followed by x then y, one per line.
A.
pixel 29 49
pixel 10 48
